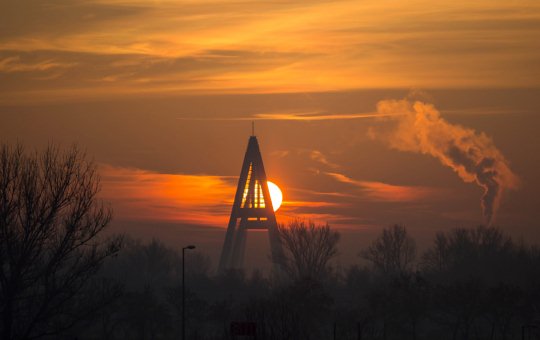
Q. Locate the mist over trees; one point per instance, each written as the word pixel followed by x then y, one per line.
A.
pixel 61 279
pixel 471 283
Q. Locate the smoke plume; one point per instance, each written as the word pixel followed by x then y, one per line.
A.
pixel 418 127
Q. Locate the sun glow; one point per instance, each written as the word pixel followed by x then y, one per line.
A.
pixel 275 195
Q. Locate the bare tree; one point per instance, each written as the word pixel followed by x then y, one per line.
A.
pixel 308 248
pixel 463 252
pixel 49 246
pixel 393 252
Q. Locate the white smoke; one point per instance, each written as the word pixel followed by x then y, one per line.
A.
pixel 418 127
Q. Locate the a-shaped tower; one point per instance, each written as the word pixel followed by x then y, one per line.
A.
pixel 252 209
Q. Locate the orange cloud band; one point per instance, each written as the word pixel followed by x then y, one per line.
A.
pixel 140 194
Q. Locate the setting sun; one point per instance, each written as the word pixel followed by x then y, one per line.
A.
pixel 275 194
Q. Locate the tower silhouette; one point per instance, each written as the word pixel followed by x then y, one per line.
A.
pixel 252 209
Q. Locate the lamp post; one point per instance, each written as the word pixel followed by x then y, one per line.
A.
pixel 184 291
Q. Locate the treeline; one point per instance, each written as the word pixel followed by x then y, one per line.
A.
pixel 470 284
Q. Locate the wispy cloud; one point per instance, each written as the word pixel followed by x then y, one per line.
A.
pixel 379 191
pixel 318 156
pixel 237 47
pixel 297 116
pixel 311 204
pixel 323 193
pixel 309 116
pixel 14 64
pixel 486 111
pixel 315 116
pixel 280 153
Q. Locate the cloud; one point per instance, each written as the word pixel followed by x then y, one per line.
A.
pixel 237 47
pixel 314 116
pixel 14 64
pixel 379 191
pixel 311 204
pixel 318 156
pixel 311 115
pixel 295 116
pixel 280 153
pixel 139 194
pixel 472 155
pixel 486 111
pixel 323 193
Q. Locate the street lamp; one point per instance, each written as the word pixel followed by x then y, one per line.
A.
pixel 184 292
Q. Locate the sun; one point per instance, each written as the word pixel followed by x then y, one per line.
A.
pixel 275 195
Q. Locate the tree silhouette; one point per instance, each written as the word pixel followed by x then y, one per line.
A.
pixel 393 252
pixel 462 253
pixel 50 220
pixel 308 248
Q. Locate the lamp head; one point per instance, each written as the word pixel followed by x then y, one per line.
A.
pixel 190 247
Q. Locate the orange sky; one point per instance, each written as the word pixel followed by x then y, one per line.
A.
pixel 368 113
pixel 95 48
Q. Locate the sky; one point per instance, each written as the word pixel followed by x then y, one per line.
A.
pixel 368 113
